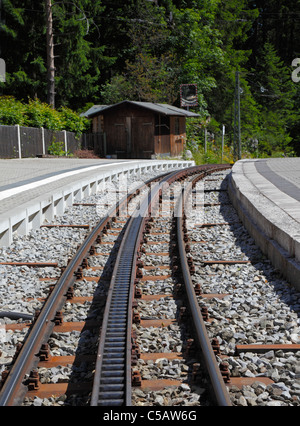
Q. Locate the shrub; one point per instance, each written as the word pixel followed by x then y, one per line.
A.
pixel 11 111
pixel 38 114
pixel 72 122
pixel 56 148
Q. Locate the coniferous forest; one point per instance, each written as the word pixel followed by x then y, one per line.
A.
pixel 105 51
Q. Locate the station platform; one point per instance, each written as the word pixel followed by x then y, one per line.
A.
pixel 35 189
pixel 266 194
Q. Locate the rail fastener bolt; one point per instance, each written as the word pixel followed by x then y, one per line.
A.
pixel 216 346
pixel 33 380
pixel 196 372
pixel 85 263
pixel 204 313
pixel 137 293
pixel 225 372
pixel 4 375
pixel 139 273
pixel 44 353
pixel 79 274
pixel 190 348
pixel 198 290
pixel 136 379
pixel 58 319
pixel 136 319
pixel 70 293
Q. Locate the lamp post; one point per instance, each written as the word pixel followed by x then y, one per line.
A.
pixel 50 56
pixel 237 118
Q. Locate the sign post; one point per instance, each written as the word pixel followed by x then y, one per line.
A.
pixel 223 134
pixel 2 70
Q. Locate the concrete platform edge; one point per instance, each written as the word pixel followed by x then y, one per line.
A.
pixel 31 215
pixel 281 248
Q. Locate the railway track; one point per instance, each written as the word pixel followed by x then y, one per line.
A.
pixel 251 312
pixel 35 348
pixel 194 357
pixel 22 374
pixel 113 371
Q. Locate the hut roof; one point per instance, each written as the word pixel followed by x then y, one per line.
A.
pixel 155 107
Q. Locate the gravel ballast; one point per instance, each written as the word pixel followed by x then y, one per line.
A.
pixel 257 306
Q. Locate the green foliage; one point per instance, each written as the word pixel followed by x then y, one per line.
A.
pixel 72 122
pixel 56 148
pixel 213 156
pixel 116 90
pixel 11 111
pixel 195 142
pixel 39 114
pixel 106 52
pixel 274 90
pixel 78 49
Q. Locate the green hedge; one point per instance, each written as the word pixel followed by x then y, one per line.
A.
pixel 38 114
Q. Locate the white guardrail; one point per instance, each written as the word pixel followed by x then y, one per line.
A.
pixel 35 212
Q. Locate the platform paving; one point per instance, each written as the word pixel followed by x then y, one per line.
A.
pixel 24 180
pixel 266 193
pixel 33 189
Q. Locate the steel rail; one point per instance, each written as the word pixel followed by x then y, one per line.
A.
pixel 112 379
pixel 14 389
pixel 220 391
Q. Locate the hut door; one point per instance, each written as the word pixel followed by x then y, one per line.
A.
pixel 123 137
pixel 142 137
pixel 116 135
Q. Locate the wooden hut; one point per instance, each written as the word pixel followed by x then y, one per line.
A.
pixel 140 129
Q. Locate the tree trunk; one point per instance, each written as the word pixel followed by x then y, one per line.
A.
pixel 50 56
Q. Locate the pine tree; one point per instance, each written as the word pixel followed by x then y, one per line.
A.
pixel 21 38
pixel 78 51
pixel 79 56
pixel 275 91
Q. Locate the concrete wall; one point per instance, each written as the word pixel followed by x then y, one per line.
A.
pixel 273 230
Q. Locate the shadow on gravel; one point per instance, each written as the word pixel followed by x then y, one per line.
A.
pixel 259 261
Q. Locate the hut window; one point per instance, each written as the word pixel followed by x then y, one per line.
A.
pixel 162 125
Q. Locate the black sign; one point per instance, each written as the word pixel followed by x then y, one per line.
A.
pixel 188 95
